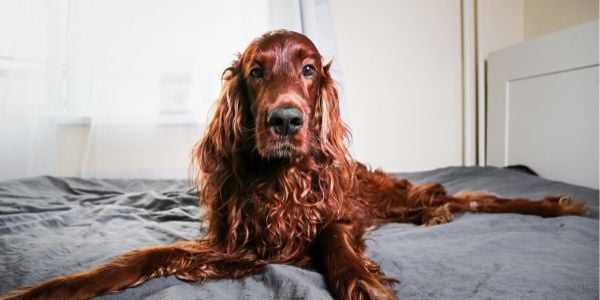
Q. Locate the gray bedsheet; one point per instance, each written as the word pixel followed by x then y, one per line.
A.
pixel 51 226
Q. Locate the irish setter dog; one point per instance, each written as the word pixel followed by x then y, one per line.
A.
pixel 278 186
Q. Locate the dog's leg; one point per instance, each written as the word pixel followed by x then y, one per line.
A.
pixel 438 207
pixel 193 260
pixel 490 203
pixel 127 270
pixel 349 273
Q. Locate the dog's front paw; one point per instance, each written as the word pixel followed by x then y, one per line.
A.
pixel 14 295
pixel 364 283
pixel 58 288
pixel 29 292
pixel 368 288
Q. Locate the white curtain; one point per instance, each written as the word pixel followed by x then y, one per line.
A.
pixel 31 48
pixel 130 82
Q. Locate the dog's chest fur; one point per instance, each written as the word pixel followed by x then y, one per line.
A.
pixel 286 216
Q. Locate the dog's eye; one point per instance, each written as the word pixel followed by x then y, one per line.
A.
pixel 308 70
pixel 257 73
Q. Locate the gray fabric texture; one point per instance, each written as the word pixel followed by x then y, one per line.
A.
pixel 51 226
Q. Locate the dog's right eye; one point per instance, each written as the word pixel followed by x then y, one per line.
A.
pixel 257 73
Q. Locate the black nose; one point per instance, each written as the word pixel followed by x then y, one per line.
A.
pixel 285 121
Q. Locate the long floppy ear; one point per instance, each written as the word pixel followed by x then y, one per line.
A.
pixel 333 133
pixel 215 151
pixel 216 157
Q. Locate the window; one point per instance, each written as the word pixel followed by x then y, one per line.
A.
pixel 151 57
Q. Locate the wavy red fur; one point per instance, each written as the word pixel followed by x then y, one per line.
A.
pixel 298 198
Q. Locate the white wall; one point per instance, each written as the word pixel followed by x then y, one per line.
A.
pixel 500 24
pixel 402 74
pixel 546 16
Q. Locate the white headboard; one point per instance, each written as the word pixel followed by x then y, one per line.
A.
pixel 542 108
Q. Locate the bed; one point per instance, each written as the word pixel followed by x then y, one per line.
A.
pixel 51 226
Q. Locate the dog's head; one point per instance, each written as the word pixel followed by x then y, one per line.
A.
pixel 281 74
pixel 279 101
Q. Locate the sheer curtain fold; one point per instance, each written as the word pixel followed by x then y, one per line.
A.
pixel 30 86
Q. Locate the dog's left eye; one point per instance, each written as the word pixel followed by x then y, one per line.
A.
pixel 308 70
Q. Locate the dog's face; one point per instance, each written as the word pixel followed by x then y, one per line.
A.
pixel 281 74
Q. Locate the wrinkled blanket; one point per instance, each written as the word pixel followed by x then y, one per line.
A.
pixel 51 226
